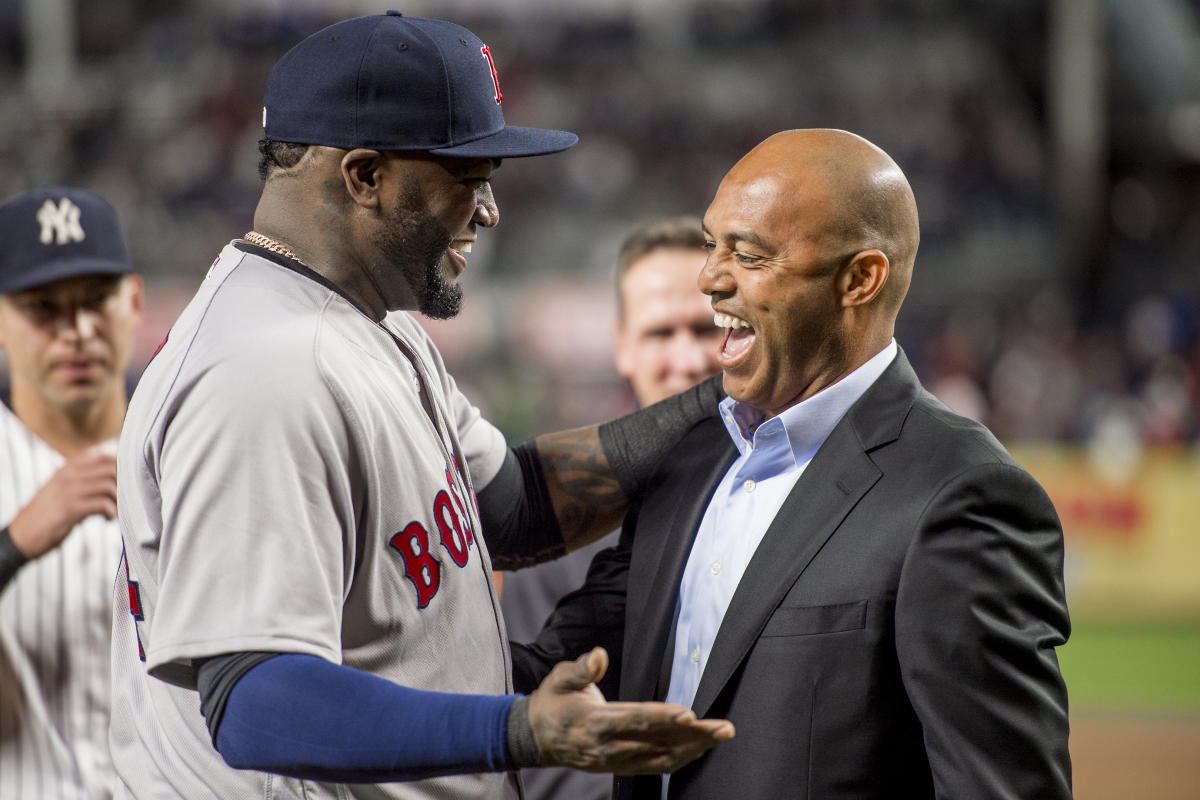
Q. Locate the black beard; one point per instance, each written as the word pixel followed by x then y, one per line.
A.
pixel 416 243
pixel 437 297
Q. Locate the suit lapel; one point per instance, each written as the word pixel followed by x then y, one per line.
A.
pixel 662 545
pixel 836 479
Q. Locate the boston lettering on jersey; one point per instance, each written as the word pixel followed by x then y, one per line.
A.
pixel 457 537
pixel 453 522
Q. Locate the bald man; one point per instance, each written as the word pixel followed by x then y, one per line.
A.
pixel 865 583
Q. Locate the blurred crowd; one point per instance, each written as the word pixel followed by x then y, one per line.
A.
pixel 1044 328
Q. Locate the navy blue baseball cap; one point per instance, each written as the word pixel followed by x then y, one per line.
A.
pixel 59 232
pixel 390 82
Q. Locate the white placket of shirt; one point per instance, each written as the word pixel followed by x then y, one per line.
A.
pixel 751 493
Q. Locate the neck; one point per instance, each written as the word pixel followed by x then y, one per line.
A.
pixel 67 430
pixel 322 255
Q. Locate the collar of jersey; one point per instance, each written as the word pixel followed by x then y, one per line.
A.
pixel 297 267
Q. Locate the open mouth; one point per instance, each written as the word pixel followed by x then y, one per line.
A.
pixel 458 255
pixel 739 338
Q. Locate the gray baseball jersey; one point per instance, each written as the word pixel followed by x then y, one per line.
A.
pixel 55 622
pixel 292 477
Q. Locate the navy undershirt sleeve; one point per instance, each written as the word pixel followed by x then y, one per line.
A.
pixel 303 716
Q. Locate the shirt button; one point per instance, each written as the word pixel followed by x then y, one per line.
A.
pixel 749 485
pixel 716 568
pixel 696 656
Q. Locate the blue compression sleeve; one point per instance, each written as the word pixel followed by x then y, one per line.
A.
pixel 303 716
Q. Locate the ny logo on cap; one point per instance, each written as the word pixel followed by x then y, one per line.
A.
pixel 60 223
pixel 487 53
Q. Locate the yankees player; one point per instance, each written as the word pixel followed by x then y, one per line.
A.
pixel 68 308
pixel 308 608
pixel 665 341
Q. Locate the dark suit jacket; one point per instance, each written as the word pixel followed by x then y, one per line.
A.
pixel 892 637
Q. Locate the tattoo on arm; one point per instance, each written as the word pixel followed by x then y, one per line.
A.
pixel 587 499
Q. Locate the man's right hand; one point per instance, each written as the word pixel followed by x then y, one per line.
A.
pixel 83 486
pixel 575 727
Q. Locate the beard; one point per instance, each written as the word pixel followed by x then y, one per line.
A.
pixel 415 243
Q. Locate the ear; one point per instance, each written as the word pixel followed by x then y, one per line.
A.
pixel 137 296
pixel 362 171
pixel 861 280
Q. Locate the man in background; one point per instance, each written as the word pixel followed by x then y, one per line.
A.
pixel 69 305
pixel 665 342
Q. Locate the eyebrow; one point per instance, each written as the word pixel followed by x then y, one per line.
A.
pixel 748 236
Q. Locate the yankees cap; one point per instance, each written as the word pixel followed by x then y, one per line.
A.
pixel 391 82
pixel 59 232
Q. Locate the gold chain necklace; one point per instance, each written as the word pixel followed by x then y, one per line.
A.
pixel 266 242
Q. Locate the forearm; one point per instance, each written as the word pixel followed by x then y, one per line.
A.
pixel 592 474
pixel 586 497
pixel 565 490
pixel 306 717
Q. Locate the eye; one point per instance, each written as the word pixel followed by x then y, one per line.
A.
pixel 746 258
pixel 39 309
pixel 710 245
pixel 96 300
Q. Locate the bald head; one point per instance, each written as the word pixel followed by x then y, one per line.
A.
pixel 812 237
pixel 851 194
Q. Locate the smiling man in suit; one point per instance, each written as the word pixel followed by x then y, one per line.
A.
pixel 865 583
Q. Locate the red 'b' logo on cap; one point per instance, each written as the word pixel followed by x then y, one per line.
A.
pixel 487 53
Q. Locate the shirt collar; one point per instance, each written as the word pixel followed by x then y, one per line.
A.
pixel 809 422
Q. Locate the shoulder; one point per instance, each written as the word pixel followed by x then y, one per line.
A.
pixel 953 436
pixel 249 335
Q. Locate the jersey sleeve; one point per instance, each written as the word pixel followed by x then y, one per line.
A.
pixel 256 478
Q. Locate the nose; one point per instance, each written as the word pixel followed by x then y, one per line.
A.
pixel 693 356
pixel 714 278
pixel 82 323
pixel 487 213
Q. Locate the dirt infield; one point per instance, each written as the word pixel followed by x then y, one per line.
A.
pixel 1132 758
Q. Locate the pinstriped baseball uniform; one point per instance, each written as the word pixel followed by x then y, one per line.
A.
pixel 287 481
pixel 55 619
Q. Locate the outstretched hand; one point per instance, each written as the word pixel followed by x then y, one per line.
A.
pixel 575 727
pixel 83 486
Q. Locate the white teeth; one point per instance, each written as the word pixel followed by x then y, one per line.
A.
pixel 461 247
pixel 727 321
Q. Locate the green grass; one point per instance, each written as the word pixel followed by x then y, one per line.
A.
pixel 1135 669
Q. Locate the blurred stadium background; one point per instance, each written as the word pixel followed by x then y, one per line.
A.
pixel 1054 147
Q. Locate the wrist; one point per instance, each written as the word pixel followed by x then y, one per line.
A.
pixel 11 557
pixel 518 736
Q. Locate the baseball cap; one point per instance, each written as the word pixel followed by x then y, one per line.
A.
pixel 391 82
pixel 59 232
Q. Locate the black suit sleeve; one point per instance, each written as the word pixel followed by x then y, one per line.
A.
pixel 980 610
pixel 592 615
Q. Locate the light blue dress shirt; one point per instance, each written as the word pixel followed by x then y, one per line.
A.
pixel 774 454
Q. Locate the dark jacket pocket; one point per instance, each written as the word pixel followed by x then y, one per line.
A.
pixel 809 620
